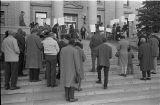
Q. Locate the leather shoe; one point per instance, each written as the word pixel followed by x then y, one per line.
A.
pixel 14 88
pixel 7 87
pixel 148 78
pixel 54 85
pixel 143 78
pixel 73 99
pixel 153 72
pixel 99 81
pixel 22 75
pixel 105 87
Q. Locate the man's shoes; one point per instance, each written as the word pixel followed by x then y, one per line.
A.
pixel 143 78
pixel 105 87
pixel 153 72
pixel 48 85
pixel 73 100
pixel 121 74
pixel 15 88
pixel 54 85
pixel 7 87
pixel 148 78
pixel 99 81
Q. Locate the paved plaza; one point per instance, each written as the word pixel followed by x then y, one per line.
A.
pixel 128 90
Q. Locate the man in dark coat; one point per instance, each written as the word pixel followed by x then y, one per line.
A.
pixel 70 69
pixel 155 52
pixel 104 54
pixel 33 55
pixel 96 40
pixel 83 31
pixel 21 44
pixel 145 58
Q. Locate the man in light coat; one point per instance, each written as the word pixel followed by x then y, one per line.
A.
pixel 33 55
pixel 70 67
pixel 51 50
pixel 104 54
pixel 11 52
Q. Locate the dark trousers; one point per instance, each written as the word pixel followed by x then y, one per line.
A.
pixel 51 62
pixel 83 35
pixel 21 64
pixel 93 56
pixel 11 73
pixel 106 69
pixel 146 72
pixel 69 93
pixel 34 74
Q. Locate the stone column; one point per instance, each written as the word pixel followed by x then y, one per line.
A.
pixel 23 6
pixel 57 10
pixel 109 11
pixel 92 12
pixel 119 9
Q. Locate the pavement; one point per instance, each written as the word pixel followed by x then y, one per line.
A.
pixel 121 90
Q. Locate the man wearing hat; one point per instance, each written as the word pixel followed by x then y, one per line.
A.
pixel 33 55
pixel 96 40
pixel 144 56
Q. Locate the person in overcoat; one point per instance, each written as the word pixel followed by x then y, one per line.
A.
pixel 82 58
pixel 96 40
pixel 70 69
pixel 123 55
pixel 144 56
pixel 33 55
pixel 155 52
pixel 104 54
pixel 20 36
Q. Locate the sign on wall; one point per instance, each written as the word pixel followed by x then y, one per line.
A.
pixel 93 28
pixel 131 17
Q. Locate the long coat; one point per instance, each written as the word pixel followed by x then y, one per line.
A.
pixel 154 46
pixel 70 66
pixel 82 58
pixel 144 55
pixel 103 53
pixel 33 54
pixel 123 52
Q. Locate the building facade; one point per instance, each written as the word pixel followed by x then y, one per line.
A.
pixel 77 13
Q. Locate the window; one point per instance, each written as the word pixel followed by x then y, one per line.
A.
pixel 98 19
pixel 2 21
pixel 126 3
pixel 71 19
pixel 98 1
pixel 42 15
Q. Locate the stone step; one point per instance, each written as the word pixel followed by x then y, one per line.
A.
pixel 51 98
pixel 86 88
pixel 91 82
pixel 147 101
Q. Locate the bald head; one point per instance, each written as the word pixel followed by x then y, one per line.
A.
pixel 143 40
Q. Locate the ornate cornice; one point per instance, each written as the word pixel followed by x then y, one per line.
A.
pixel 73 5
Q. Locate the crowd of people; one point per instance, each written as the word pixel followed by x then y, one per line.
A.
pixel 29 52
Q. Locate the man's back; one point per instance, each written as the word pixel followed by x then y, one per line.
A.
pixel 96 40
pixel 104 53
pixel 10 49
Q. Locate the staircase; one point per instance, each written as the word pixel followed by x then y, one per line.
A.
pixel 121 90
